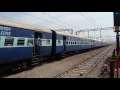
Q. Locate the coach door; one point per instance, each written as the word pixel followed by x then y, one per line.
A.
pixel 37 42
pixel 91 43
pixel 64 43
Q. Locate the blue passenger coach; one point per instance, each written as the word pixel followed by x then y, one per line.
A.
pixel 15 44
pixel 46 43
pixel 17 41
pixel 73 43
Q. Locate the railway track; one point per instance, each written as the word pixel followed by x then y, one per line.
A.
pixel 73 66
pixel 87 68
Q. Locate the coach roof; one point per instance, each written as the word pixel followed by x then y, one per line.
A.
pixel 24 26
pixel 65 34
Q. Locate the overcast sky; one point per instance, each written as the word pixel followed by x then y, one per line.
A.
pixel 66 20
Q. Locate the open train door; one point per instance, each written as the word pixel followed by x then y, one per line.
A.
pixel 53 43
pixel 37 47
pixel 64 43
pixel 92 44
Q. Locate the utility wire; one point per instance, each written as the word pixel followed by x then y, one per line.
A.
pixel 87 19
pixel 42 19
pixel 91 25
pixel 60 20
pixel 85 23
pixel 92 19
pixel 13 19
pixel 96 23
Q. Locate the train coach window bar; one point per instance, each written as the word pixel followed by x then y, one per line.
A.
pixel 9 41
pixel 21 42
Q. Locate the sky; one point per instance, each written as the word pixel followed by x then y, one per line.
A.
pixel 68 20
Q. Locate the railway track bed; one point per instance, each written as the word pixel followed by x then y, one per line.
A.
pixel 90 68
pixel 84 65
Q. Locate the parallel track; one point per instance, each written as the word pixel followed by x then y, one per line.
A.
pixel 85 67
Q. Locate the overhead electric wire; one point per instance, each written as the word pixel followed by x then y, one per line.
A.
pixel 92 19
pixel 13 19
pixel 87 19
pixel 95 22
pixel 85 26
pixel 39 18
pixel 43 19
pixel 17 20
pixel 60 20
pixel 91 26
pixel 83 23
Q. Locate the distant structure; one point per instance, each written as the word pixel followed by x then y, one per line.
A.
pixel 69 30
pixel 96 29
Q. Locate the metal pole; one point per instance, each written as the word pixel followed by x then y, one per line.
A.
pixel 88 34
pixel 72 31
pixel 117 42
pixel 112 64
pixel 111 69
pixel 100 33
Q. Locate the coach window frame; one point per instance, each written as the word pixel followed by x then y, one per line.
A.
pixel 66 42
pixel 18 40
pixel 59 42
pixel 69 42
pixel 28 42
pixel 0 41
pixel 7 41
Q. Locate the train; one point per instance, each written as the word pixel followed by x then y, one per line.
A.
pixel 17 43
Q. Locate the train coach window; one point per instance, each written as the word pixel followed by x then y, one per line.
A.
pixel 21 42
pixel 75 42
pixel 47 42
pixel 30 42
pixel 67 42
pixel 9 41
pixel 59 42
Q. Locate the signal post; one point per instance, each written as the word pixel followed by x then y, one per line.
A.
pixel 116 16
